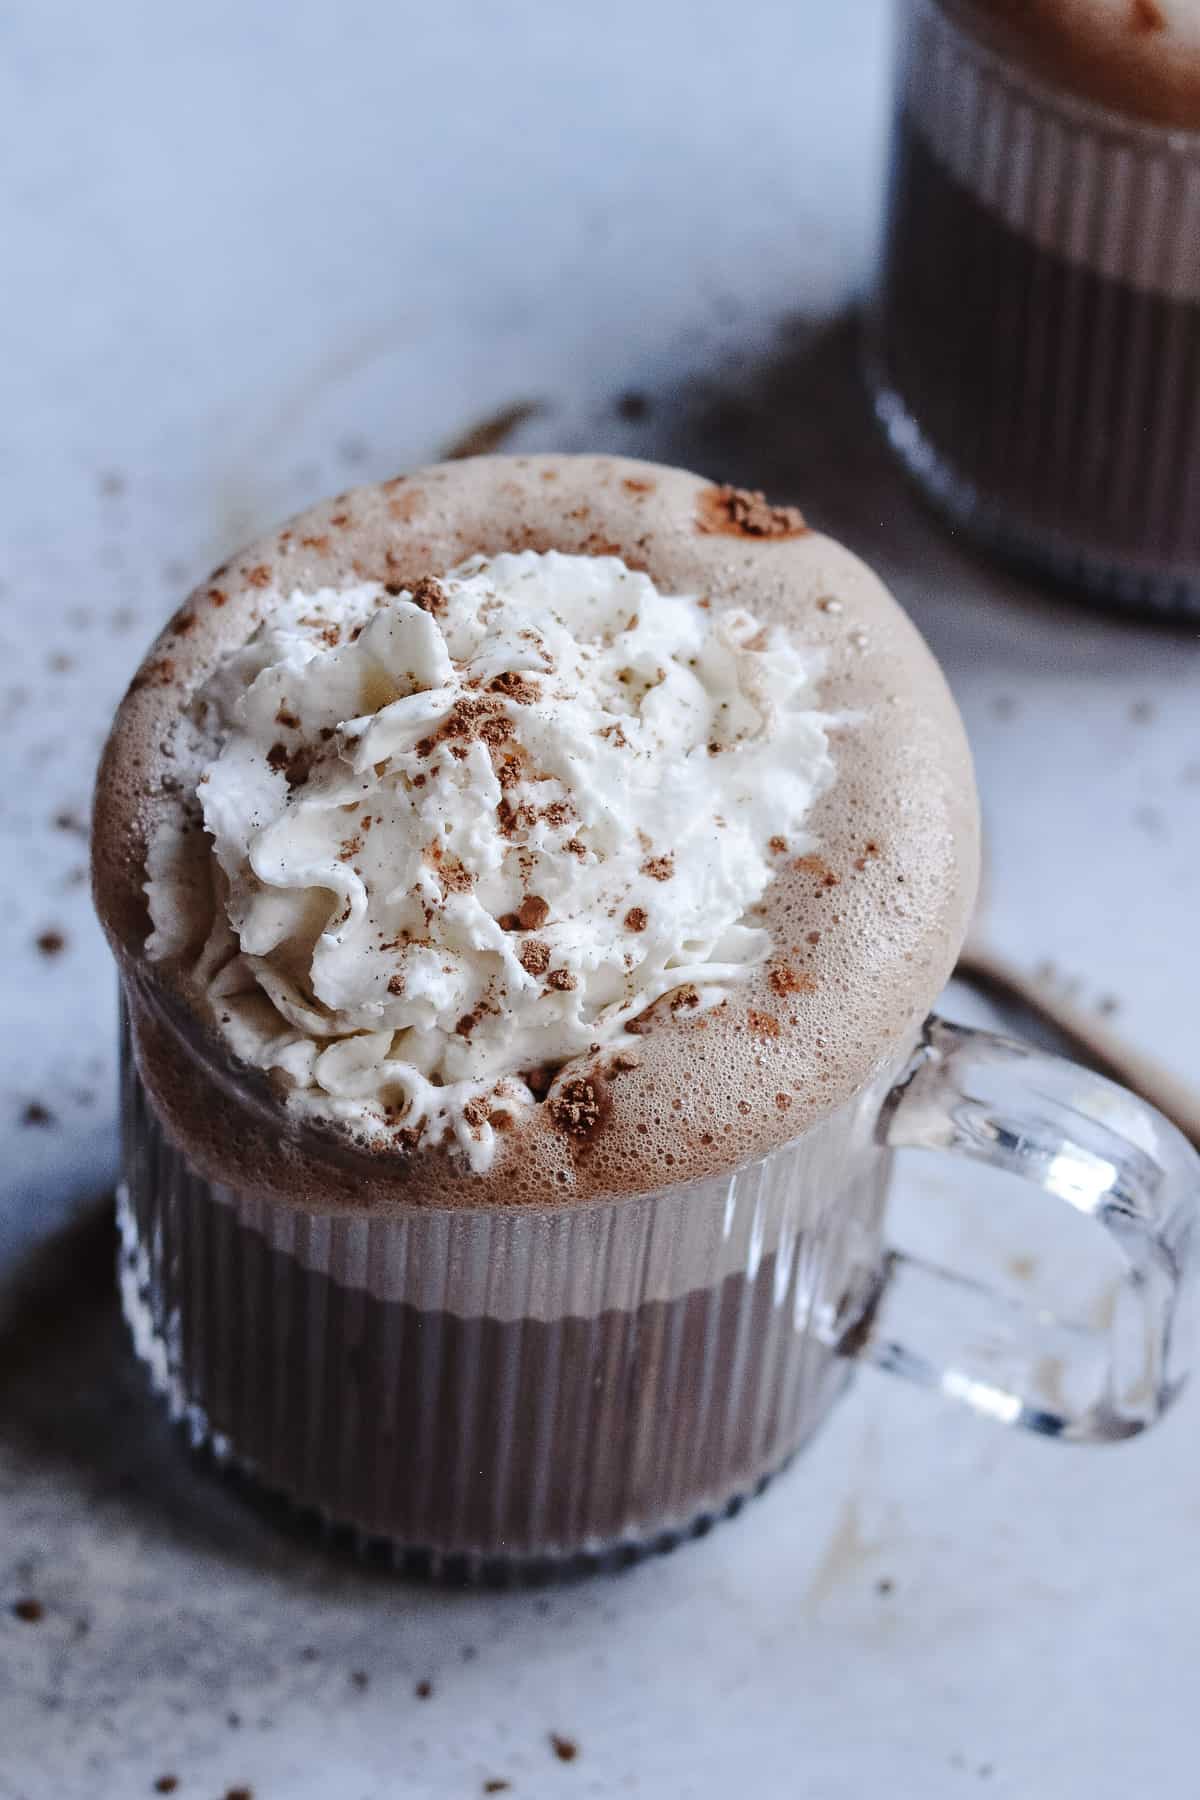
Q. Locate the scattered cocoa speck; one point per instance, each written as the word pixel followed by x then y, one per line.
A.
pixel 360 1679
pixel 659 868
pixel 51 942
pixel 615 734
pixel 783 1102
pixel 533 912
pixel 764 1025
pixel 742 512
pixel 29 1611
pixel 581 1105
pixel 259 576
pixel 166 1784
pixel 476 1112
pixel 783 979
pixel 218 596
pixel 496 1784
pixel 683 999
pixel 396 984
pixel 632 405
pixel 289 719
pixel 70 821
pixel 535 956
pixel 320 544
pixel 636 919
pixel 633 486
pixel 565 1748
pixel 561 979
pixel 239 1793
pixel 885 1585
pixel 37 1114
pixel 779 845
pixel 490 433
pixel 576 846
pixel 340 519
pixel 429 595
pixel 424 1690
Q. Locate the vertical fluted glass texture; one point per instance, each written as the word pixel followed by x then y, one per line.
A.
pixel 1035 346
pixel 498 1388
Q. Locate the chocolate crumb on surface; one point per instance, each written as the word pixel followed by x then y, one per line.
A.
pixel 51 942
pixel 535 957
pixel 581 1106
pixel 496 1784
pixel 659 868
pixel 37 1114
pixel 636 919
pixel 743 512
pixel 561 980
pixel 786 980
pixel 166 1784
pixel 29 1611
pixel 565 1748
pixel 533 912
pixel 764 1025
pixel 424 1689
pixel 360 1679
pixel 516 685
pixel 429 595
pixel 239 1793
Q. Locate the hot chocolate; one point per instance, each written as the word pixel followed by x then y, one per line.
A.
pixel 1037 337
pixel 664 743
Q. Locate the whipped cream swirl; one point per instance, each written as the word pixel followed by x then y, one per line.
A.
pixel 461 834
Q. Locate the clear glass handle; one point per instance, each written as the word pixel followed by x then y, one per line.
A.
pixel 1092 1146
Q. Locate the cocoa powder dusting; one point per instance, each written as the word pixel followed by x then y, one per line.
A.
pixel 515 686
pixel 429 595
pixel 535 957
pixel 659 868
pixel 581 1106
pixel 636 919
pixel 742 512
pixel 764 1025
pixel 784 979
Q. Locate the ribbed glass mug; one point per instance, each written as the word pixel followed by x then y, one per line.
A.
pixel 1034 346
pixel 488 1393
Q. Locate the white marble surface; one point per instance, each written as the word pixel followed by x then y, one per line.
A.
pixel 256 253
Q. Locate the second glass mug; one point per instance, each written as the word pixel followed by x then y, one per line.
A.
pixel 487 1393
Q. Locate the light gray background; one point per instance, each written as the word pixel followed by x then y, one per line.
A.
pixel 254 253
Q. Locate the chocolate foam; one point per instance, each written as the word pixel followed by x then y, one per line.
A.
pixel 1139 57
pixel 865 933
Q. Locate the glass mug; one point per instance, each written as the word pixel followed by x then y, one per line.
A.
pixel 486 1393
pixel 1034 346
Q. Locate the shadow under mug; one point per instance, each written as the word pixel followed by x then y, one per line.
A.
pixel 484 1394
